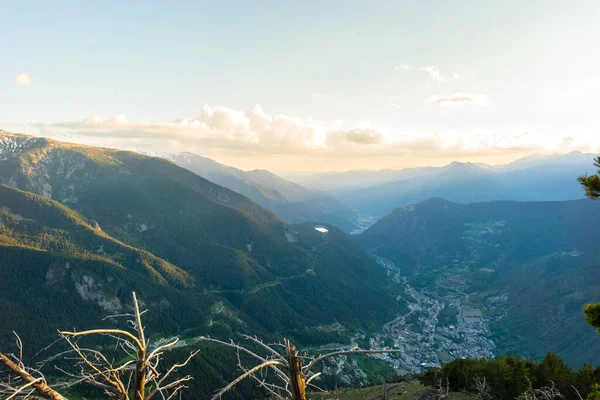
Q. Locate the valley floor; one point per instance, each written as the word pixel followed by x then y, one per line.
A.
pixel 436 329
pixel 427 341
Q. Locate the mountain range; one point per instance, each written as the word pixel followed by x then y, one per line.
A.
pixel 151 219
pixel 342 183
pixel 535 178
pixel 344 199
pixel 293 202
pixel 204 246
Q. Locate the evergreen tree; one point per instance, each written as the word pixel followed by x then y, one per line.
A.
pixel 592 190
pixel 592 182
pixel 592 315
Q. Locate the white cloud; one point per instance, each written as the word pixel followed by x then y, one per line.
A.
pixel 255 132
pixel 404 67
pixel 216 127
pixel 434 73
pixel 459 99
pixel 23 80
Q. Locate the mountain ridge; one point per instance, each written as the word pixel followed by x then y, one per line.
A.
pixel 266 270
pixel 293 202
pixel 545 179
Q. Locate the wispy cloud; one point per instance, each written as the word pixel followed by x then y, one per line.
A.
pixel 364 136
pixel 23 80
pixel 404 67
pixel 433 71
pixel 458 99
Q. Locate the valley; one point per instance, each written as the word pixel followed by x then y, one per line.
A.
pixel 292 200
pixel 81 227
pixel 426 337
pixel 435 330
pixel 512 272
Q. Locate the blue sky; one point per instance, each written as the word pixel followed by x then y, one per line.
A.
pixel 342 84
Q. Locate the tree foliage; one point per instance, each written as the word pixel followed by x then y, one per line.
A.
pixel 591 183
pixel 592 311
pixel 592 315
pixel 509 377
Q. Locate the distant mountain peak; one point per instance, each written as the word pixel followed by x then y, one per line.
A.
pixel 435 203
pixel 461 170
pixel 437 200
pixel 290 200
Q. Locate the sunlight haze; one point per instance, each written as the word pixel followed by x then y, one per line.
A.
pixel 311 86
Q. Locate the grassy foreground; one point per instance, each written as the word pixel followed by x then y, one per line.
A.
pixel 395 391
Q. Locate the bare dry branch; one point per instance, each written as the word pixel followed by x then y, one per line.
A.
pixel 289 369
pixel 22 388
pixel 159 384
pixel 577 391
pixel 244 376
pixel 313 377
pixel 39 384
pixel 20 346
pixel 135 340
pixel 482 389
pixel 264 346
pixel 544 393
pixel 133 378
pixel 306 369
pixel 238 347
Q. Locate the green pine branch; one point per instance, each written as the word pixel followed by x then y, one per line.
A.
pixel 591 183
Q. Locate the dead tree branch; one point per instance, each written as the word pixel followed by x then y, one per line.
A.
pixel 482 389
pixel 21 378
pixel 137 379
pixel 544 393
pixel 289 368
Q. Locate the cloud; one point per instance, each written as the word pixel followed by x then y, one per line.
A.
pixel 404 67
pixel 216 127
pixel 254 132
pixel 23 80
pixel 364 136
pixel 434 73
pixel 458 99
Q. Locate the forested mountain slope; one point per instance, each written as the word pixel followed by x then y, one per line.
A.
pixel 200 236
pixel 293 202
pixel 33 221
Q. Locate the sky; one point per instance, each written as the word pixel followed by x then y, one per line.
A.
pixel 307 85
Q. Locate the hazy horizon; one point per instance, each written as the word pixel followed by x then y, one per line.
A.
pixel 299 173
pixel 307 87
